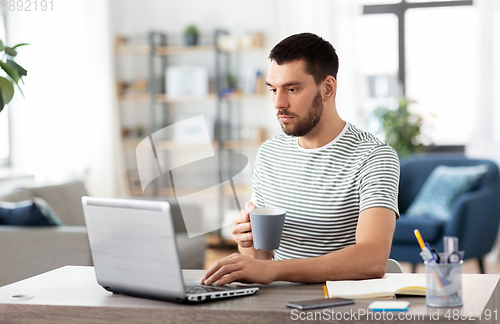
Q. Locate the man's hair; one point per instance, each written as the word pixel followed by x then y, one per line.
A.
pixel 319 55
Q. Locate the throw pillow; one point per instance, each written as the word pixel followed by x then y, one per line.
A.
pixel 444 185
pixel 35 212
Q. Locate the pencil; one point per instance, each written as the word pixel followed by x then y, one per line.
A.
pixel 325 291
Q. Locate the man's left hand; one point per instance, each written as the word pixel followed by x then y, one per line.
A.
pixel 237 267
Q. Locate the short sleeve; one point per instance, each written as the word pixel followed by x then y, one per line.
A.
pixel 379 180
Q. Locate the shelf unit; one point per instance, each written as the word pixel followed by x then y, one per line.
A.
pixel 151 99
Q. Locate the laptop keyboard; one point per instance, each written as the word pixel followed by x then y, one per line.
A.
pixel 202 289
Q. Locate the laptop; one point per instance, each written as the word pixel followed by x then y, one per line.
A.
pixel 135 253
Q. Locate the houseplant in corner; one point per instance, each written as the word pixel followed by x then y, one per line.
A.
pixel 401 127
pixel 14 73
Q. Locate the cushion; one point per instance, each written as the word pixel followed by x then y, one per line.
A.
pixel 66 200
pixel 18 195
pixel 430 229
pixel 35 212
pixel 443 186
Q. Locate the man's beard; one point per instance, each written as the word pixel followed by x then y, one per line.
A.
pixel 311 120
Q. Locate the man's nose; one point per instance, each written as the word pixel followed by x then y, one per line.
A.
pixel 280 100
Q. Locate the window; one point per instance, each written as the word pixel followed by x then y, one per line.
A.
pixel 4 138
pixel 4 115
pixel 441 69
pixel 440 59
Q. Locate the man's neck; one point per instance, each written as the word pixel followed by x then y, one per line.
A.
pixel 329 127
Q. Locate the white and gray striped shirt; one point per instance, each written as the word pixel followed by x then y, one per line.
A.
pixel 323 190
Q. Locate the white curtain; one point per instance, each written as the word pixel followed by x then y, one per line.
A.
pixel 66 127
pixel 486 139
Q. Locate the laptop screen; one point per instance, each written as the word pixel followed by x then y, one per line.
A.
pixel 133 246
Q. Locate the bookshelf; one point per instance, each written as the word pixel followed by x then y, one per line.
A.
pixel 146 98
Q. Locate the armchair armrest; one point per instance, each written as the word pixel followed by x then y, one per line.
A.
pixel 475 221
pixel 29 251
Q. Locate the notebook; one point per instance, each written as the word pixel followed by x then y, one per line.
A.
pixel 134 250
pixel 386 287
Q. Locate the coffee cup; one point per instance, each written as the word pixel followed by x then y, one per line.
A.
pixel 267 226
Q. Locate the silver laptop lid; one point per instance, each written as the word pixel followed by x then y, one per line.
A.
pixel 133 246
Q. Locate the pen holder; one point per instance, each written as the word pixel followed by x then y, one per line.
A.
pixel 444 284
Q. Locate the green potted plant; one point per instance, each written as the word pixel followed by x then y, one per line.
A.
pixel 191 35
pixel 401 128
pixel 14 73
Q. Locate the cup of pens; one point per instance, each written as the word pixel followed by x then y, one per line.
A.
pixel 443 272
pixel 444 284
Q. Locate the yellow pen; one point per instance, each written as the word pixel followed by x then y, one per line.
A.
pixel 325 291
pixel 419 239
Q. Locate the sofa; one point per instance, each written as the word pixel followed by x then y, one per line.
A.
pixel 27 251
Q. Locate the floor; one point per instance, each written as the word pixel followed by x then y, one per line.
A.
pixel 216 252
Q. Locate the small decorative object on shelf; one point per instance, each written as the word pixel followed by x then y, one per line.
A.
pixel 139 130
pixel 232 42
pixel 191 35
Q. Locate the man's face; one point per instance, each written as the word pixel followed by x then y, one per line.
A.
pixel 296 97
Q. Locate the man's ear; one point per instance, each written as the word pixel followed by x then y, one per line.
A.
pixel 329 87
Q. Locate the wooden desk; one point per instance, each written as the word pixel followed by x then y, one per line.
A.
pixel 72 295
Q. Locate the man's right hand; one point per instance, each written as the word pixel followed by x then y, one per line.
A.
pixel 242 230
pixel 242 234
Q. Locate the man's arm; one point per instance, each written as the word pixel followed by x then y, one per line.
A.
pixel 367 258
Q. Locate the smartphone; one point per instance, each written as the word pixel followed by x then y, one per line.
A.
pixel 319 303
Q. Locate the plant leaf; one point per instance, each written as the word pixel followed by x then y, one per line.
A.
pixel 10 51
pixel 2 102
pixel 2 46
pixel 20 70
pixel 10 71
pixel 19 45
pixel 20 90
pixel 7 90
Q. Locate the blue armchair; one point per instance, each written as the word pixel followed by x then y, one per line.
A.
pixel 475 214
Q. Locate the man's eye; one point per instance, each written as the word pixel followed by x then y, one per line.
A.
pixel 272 90
pixel 292 90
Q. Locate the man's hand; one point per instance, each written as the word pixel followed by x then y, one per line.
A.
pixel 242 230
pixel 242 234
pixel 237 267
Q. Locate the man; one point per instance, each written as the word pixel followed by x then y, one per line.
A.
pixel 338 184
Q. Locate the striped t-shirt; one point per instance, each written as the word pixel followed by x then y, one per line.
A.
pixel 323 190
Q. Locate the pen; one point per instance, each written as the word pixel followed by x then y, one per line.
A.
pixel 427 256
pixel 419 239
pixel 426 253
pixel 325 291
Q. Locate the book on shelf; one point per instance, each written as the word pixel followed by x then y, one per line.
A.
pixel 386 287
